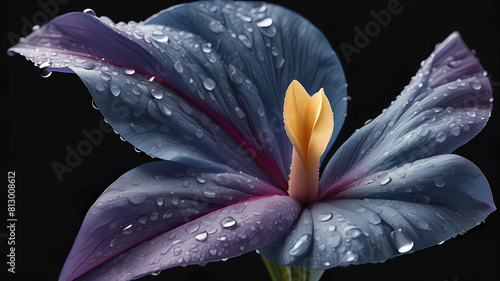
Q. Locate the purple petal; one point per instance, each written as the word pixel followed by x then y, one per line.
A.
pixel 447 103
pixel 176 81
pixel 397 211
pixel 162 214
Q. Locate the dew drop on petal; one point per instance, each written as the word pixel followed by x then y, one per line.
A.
pixel 89 12
pixel 439 183
pixel 265 22
pixel 476 85
pixel 324 216
pixel 441 137
pixel 228 222
pixel 385 180
pixel 113 242
pixel 178 66
pixel 301 246
pixel 402 240
pixel 209 84
pixel 202 236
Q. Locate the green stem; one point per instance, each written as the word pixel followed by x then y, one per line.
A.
pixel 287 273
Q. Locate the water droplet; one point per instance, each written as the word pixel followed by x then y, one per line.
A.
pixel 471 113
pixel 191 228
pixel 228 222
pixel 88 65
pixel 128 71
pixel 423 132
pixel 476 85
pixel 209 84
pixel 44 73
pixel 265 22
pixel 115 89
pixel 159 201
pixel 100 87
pixel 439 183
pixel 113 242
pixel 216 26
pixel 301 246
pixel 178 66
pixel 441 137
pixel 137 199
pixel 261 111
pixel 402 240
pixel 209 193
pixel 423 225
pixel 199 133
pixel 185 183
pixel 165 108
pixel 385 181
pixel 127 229
pixel 455 130
pixel 157 93
pixel 351 256
pixel 279 62
pixel 202 236
pixel 352 231
pixel 89 12
pixel 239 112
pixel 244 39
pixel 324 216
pixel 175 200
pixel 206 47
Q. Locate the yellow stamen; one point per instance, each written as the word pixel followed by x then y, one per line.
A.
pixel 309 126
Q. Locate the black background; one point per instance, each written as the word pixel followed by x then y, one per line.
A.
pixel 40 117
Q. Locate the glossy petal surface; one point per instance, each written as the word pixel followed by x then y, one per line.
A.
pixel 447 103
pixel 152 200
pixel 206 77
pixel 396 211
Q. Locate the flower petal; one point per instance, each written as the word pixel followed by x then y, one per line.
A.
pixel 397 211
pixel 209 75
pixel 162 204
pixel 446 104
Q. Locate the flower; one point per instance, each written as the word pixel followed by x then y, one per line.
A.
pixel 202 86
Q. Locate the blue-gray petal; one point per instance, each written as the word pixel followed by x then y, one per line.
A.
pixel 173 203
pixel 207 77
pixel 447 103
pixel 390 213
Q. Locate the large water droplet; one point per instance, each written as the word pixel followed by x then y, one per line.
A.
pixel 191 228
pixel 441 137
pixel 89 12
pixel 239 112
pixel 385 180
pixel 113 242
pixel 324 216
pixel 471 113
pixel 127 229
pixel 244 39
pixel 402 240
pixel 44 73
pixel 178 66
pixel 115 89
pixel 209 84
pixel 455 131
pixel 202 236
pixel 476 85
pixel 301 246
pixel 228 222
pixel 439 183
pixel 265 22
pixel 216 26
pixel 352 231
pixel 351 256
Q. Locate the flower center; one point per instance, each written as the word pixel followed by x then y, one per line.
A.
pixel 309 126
